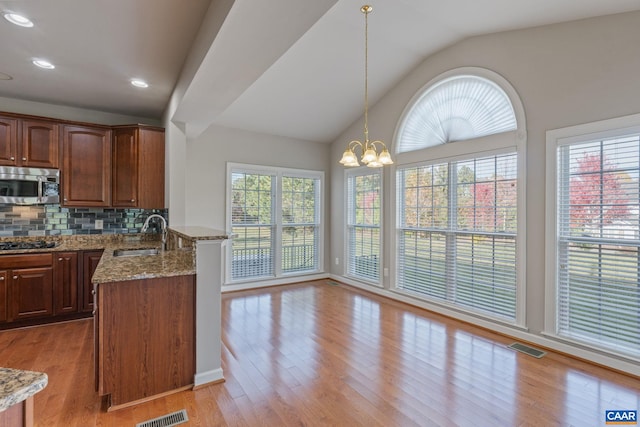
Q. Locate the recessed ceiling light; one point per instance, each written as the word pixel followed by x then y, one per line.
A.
pixel 20 20
pixel 139 83
pixel 43 64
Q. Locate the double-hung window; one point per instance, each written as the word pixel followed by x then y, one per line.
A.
pixel 457 233
pixel 364 219
pixel 593 264
pixel 275 215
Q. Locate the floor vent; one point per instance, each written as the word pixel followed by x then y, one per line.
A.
pixel 527 350
pixel 168 420
pixel 332 283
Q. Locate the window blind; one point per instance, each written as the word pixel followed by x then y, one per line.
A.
pixel 598 296
pixel 457 233
pixel 363 225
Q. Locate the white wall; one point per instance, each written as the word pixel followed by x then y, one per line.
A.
pixel 565 74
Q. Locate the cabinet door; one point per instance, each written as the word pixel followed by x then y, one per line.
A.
pixel 8 140
pixel 90 260
pixel 3 296
pixel 124 190
pixel 31 293
pixel 86 171
pixel 39 144
pixel 151 169
pixel 65 286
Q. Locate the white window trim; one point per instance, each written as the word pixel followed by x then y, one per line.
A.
pixel 461 150
pixel 277 207
pixel 604 129
pixel 349 173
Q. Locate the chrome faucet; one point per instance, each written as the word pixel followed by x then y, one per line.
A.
pixel 163 221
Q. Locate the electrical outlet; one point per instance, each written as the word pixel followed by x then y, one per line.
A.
pixel 98 224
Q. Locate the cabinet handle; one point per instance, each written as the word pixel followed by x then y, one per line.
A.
pixel 24 159
pixel 12 158
pixel 15 277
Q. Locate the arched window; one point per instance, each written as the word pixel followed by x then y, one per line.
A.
pixel 459 194
pixel 457 108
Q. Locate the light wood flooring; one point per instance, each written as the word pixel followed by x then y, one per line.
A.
pixel 314 354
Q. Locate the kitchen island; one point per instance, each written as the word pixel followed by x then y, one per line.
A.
pixel 17 388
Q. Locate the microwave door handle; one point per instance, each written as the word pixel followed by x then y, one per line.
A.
pixel 40 185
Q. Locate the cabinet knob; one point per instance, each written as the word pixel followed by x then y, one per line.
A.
pixel 93 292
pixel 15 277
pixel 133 200
pixel 1 278
pixel 93 313
pixel 12 158
pixel 59 259
pixel 24 159
pixel 65 199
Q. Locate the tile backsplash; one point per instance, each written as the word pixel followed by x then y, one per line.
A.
pixel 54 220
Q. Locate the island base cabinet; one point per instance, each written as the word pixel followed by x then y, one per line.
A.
pixel 145 332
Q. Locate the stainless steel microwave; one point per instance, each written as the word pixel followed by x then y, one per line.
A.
pixel 29 186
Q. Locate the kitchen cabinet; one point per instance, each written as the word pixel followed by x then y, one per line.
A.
pixel 39 148
pixel 29 281
pixel 86 172
pixel 157 356
pixel 138 167
pixel 90 260
pixel 3 296
pixel 65 282
pixel 8 140
pixel 29 142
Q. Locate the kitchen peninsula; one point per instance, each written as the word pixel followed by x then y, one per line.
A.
pixel 157 317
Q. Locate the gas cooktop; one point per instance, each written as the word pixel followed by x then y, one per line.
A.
pixel 38 244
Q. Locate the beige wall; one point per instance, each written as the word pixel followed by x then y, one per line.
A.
pixel 565 74
pixel 207 157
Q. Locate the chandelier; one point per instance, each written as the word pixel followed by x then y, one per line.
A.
pixel 370 156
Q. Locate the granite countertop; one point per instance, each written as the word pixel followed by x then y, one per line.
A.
pixel 200 233
pixel 177 262
pixel 17 385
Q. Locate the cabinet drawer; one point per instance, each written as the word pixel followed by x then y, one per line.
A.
pixel 24 261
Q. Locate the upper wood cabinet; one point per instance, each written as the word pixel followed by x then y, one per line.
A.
pixel 28 142
pixel 86 171
pixel 138 167
pixel 39 144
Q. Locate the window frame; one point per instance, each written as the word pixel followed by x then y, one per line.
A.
pixel 278 173
pixel 349 175
pixel 556 138
pixel 510 141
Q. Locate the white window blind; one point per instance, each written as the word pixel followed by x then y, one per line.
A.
pixel 598 285
pixel 364 217
pixel 300 223
pixel 277 222
pixel 457 233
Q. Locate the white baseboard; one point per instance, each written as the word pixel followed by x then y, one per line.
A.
pixel 213 376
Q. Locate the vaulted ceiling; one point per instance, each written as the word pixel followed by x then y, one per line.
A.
pixel 282 67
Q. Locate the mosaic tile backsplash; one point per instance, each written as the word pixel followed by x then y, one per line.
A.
pixel 54 220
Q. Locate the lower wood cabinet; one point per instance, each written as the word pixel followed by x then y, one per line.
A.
pixel 65 270
pixel 90 260
pixel 45 287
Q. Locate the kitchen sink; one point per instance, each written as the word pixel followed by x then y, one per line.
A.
pixel 135 252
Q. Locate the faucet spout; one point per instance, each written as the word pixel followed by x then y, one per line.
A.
pixel 163 225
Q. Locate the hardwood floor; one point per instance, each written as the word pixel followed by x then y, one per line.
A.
pixel 314 354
